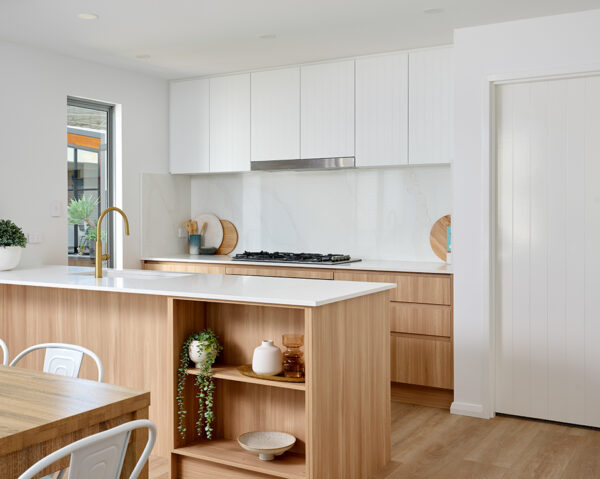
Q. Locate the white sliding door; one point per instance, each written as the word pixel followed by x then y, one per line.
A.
pixel 547 254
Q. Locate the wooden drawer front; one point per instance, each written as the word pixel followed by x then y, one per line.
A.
pixel 422 361
pixel 189 468
pixel 280 272
pixel 412 287
pixel 184 267
pixel 428 319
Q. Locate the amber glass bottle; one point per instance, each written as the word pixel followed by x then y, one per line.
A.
pixel 293 357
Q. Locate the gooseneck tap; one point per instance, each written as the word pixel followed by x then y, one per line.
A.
pixel 99 256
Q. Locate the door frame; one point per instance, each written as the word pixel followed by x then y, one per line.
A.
pixel 490 199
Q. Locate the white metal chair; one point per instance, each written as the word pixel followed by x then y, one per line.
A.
pixel 63 359
pixel 99 456
pixel 4 353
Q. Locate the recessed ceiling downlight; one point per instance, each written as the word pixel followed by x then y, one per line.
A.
pixel 88 16
pixel 432 11
pixel 268 36
pixel 143 56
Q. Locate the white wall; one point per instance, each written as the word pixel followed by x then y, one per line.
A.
pixel 34 86
pixel 532 47
pixel 372 213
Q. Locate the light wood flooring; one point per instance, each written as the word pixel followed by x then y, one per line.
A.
pixel 434 444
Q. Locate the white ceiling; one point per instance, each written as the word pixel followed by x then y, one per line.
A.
pixel 198 37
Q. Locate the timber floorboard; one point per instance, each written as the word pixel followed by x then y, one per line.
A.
pixel 431 443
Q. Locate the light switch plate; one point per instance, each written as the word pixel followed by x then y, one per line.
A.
pixel 35 237
pixel 55 209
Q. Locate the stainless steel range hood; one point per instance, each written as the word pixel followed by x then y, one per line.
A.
pixel 306 164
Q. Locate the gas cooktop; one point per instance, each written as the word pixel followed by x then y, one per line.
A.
pixel 277 257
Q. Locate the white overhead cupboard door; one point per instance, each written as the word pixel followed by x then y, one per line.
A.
pixel 382 110
pixel 547 261
pixel 430 96
pixel 189 126
pixel 327 110
pixel 230 123
pixel 275 125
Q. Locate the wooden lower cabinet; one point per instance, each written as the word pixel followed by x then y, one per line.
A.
pixel 425 361
pixel 420 311
pixel 427 319
pixel 180 267
pixel 306 273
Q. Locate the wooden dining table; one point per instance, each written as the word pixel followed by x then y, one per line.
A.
pixel 40 413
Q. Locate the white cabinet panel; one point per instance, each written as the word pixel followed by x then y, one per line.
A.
pixel 230 123
pixel 275 125
pixel 189 127
pixel 327 110
pixel 382 110
pixel 430 106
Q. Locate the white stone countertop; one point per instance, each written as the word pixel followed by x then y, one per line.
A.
pixel 252 289
pixel 364 265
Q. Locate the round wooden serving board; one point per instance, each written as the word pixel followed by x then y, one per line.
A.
pixel 230 238
pixel 437 237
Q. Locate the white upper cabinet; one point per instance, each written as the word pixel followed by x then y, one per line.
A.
pixel 275 125
pixel 189 127
pixel 382 110
pixel 230 123
pixel 327 110
pixel 430 106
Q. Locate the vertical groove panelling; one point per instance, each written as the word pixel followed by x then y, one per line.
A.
pixel 539 250
pixel 548 217
pixel 574 319
pixel 382 110
pixel 521 252
pixel 275 115
pixel 556 249
pixel 592 263
pixel 504 381
pixel 327 108
pixel 230 123
pixel 430 96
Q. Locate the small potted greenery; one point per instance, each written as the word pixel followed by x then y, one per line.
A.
pixel 202 349
pixel 12 241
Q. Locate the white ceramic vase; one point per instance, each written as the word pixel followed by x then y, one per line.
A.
pixel 197 352
pixel 9 257
pixel 267 359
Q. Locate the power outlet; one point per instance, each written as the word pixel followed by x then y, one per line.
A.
pixel 35 238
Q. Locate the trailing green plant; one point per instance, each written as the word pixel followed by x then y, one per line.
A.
pixel 11 234
pixel 209 342
pixel 80 210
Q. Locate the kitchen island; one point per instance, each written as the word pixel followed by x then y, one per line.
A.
pixel 136 322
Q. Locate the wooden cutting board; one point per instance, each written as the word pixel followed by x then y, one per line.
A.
pixel 230 238
pixel 438 236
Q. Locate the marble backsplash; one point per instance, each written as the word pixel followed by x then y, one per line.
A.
pixel 369 213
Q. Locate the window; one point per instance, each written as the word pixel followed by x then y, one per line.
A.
pixel 89 182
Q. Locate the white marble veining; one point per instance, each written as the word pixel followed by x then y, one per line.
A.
pixel 285 291
pixel 384 213
pixel 364 265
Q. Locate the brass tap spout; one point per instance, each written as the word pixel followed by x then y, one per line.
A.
pixel 99 256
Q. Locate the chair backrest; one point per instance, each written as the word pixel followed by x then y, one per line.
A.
pixel 100 455
pixel 4 353
pixel 63 359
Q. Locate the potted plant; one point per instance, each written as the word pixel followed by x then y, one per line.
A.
pixel 12 240
pixel 202 349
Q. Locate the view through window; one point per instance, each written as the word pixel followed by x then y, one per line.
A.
pixel 89 129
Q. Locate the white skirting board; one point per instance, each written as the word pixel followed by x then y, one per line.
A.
pixel 469 409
